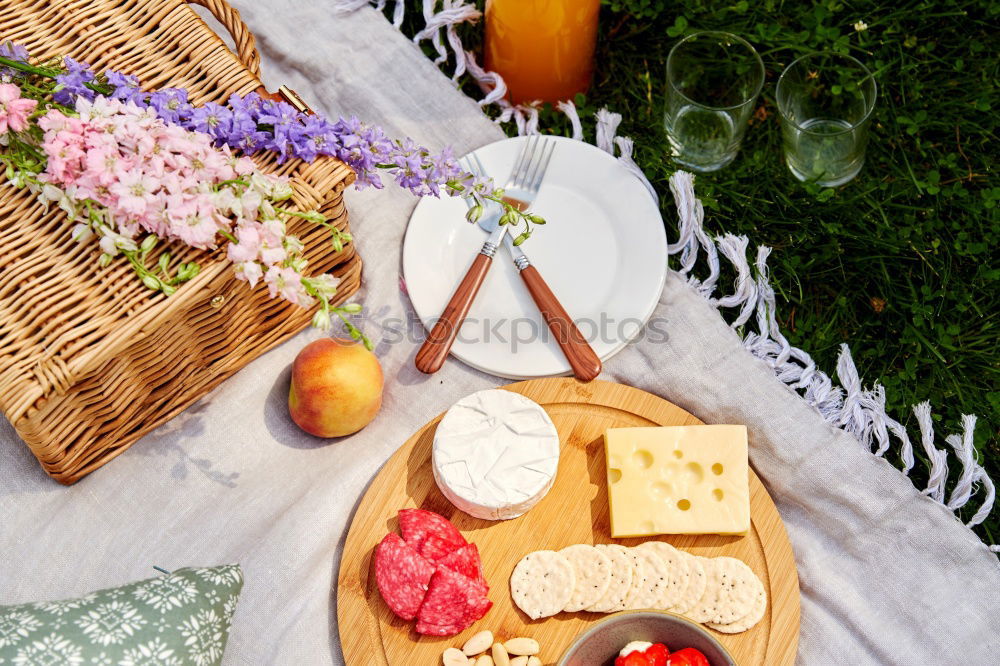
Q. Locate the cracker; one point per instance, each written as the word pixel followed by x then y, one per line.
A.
pixel 593 575
pixel 656 574
pixel 739 586
pixel 542 583
pixel 748 620
pixel 639 579
pixel 621 580
pixel 707 605
pixel 695 585
pixel 677 576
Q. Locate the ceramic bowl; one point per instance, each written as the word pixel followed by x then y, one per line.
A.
pixel 599 645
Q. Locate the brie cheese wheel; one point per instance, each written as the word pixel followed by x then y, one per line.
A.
pixel 495 454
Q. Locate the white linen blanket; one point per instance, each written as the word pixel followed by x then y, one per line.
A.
pixel 887 575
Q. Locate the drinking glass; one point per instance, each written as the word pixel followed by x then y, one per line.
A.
pixel 543 49
pixel 713 79
pixel 825 101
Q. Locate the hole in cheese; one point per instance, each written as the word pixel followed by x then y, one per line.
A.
pixel 695 472
pixel 684 504
pixel 642 458
pixel 660 489
pixel 678 454
pixel 717 469
pixel 718 494
pixel 614 475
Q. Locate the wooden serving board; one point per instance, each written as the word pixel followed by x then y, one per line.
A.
pixel 574 511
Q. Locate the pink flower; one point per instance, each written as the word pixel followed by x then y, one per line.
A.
pixel 247 247
pixel 14 109
pixel 287 283
pixel 134 190
pixel 248 271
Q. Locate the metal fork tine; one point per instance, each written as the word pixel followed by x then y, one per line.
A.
pixel 531 166
pixel 536 184
pixel 521 159
pixel 530 178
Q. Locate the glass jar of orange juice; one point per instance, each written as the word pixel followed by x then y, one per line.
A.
pixel 543 49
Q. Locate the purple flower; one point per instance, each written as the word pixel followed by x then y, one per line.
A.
pixel 126 87
pixel 12 51
pixel 73 82
pixel 251 143
pixel 212 119
pixel 317 138
pixel 171 104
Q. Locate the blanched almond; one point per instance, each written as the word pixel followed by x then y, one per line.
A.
pixel 454 657
pixel 519 661
pixel 534 661
pixel 522 646
pixel 486 660
pixel 500 657
pixel 478 644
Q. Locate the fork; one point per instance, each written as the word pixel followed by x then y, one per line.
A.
pixel 582 359
pixel 527 176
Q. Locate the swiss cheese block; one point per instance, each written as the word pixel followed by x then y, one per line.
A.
pixel 678 480
pixel 495 454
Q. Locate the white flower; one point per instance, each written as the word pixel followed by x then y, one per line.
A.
pixel 321 320
pixel 53 649
pixel 111 623
pixel 860 26
pixel 102 660
pixel 15 625
pixel 203 634
pixel 167 592
pixel 325 284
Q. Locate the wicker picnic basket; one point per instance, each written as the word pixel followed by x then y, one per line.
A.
pixel 90 360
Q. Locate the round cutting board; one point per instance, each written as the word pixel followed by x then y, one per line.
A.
pixel 574 511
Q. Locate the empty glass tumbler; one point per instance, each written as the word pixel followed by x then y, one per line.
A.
pixel 713 79
pixel 825 101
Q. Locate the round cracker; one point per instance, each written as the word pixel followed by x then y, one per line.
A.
pixel 750 619
pixel 639 580
pixel 704 610
pixel 656 575
pixel 621 580
pixel 592 569
pixel 542 583
pixel 695 585
pixel 677 573
pixel 738 590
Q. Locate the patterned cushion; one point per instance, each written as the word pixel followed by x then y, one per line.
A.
pixel 177 619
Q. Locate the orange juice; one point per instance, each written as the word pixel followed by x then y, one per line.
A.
pixel 544 49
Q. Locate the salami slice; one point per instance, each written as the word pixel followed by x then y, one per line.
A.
pixel 478 610
pixel 452 600
pixel 465 561
pixel 402 575
pixel 430 534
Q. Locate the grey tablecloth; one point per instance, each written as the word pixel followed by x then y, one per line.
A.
pixel 887 576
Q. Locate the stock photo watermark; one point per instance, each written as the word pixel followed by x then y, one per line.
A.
pixel 514 333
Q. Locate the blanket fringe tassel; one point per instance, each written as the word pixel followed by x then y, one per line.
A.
pixel 851 407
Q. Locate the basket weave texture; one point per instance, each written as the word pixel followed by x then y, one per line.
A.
pixel 90 360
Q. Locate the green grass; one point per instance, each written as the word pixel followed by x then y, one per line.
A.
pixel 902 262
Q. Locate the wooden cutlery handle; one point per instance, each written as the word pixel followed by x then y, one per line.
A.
pixel 438 344
pixel 581 356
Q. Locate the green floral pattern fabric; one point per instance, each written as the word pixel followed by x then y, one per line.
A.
pixel 178 619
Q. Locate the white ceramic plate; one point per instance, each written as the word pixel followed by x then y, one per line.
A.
pixel 603 253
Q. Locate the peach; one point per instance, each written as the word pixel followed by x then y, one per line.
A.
pixel 336 388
